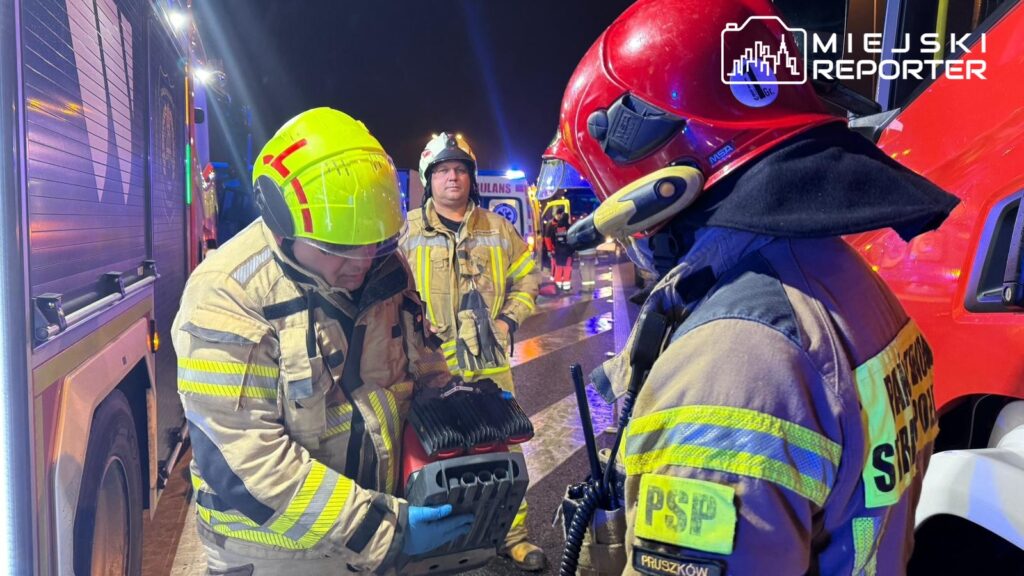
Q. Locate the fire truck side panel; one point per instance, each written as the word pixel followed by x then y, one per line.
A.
pixel 964 136
pixel 105 140
pixel 169 218
pixel 83 66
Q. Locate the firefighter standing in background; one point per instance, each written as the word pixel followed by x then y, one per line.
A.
pixel 298 345
pixel 477 279
pixel 561 254
pixel 787 423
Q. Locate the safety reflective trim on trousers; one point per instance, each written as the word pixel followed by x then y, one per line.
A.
pixel 339 420
pixel 245 271
pixel 520 518
pixel 521 267
pixel 227 379
pixel 423 280
pixel 388 419
pixel 449 347
pixel 524 299
pixel 734 440
pixel 497 257
pixel 865 546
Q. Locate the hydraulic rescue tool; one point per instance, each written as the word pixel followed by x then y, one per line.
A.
pixel 456 452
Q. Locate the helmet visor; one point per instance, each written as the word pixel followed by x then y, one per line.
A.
pixel 557 175
pixel 354 252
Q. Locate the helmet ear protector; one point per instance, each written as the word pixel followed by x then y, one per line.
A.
pixel 273 207
pixel 631 128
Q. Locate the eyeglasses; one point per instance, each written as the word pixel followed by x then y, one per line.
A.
pixel 357 252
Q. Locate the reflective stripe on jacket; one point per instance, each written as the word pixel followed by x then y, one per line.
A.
pixel 787 424
pixel 487 254
pixel 295 444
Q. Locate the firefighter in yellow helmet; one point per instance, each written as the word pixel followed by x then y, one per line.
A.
pixel 299 343
pixel 477 278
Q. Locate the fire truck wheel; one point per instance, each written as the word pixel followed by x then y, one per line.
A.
pixel 108 522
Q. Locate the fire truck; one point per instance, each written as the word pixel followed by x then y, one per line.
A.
pixel 104 218
pixel 962 282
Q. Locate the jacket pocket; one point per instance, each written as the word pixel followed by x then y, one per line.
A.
pixel 305 384
pixel 484 272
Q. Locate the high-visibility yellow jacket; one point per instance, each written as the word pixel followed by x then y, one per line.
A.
pixel 295 397
pixel 487 255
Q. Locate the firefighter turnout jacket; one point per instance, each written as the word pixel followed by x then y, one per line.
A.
pixel 787 424
pixel 295 396
pixel 487 256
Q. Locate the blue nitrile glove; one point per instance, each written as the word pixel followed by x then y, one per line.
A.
pixel 430 528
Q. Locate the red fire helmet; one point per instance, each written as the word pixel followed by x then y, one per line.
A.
pixel 708 84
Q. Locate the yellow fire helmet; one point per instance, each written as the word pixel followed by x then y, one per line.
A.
pixel 324 179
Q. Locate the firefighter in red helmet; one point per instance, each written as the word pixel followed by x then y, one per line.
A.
pixel 777 400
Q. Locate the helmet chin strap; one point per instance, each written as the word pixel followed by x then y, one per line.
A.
pixel 669 245
pixel 299 273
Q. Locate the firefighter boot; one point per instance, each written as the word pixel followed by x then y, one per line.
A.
pixel 525 556
pixel 518 548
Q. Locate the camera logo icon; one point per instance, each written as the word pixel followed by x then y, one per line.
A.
pixel 757 63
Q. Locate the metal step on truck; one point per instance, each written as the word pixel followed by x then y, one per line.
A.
pixel 103 219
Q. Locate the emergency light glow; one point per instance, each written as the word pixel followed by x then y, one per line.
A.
pixel 514 174
pixel 178 19
pixel 202 75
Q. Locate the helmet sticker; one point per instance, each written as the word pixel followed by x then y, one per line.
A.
pixel 277 163
pixel 760 86
pixel 721 154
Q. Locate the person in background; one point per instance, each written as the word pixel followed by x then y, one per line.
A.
pixel 478 280
pixel 555 240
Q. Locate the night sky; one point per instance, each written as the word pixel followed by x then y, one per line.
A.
pixel 494 70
